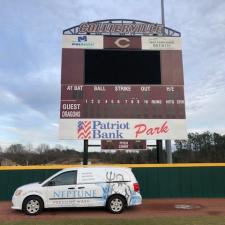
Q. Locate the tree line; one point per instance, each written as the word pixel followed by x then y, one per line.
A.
pixel 205 147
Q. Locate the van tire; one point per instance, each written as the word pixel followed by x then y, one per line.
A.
pixel 33 205
pixel 116 204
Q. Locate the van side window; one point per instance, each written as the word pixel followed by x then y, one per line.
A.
pixel 67 178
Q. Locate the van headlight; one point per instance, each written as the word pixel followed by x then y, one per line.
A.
pixel 18 192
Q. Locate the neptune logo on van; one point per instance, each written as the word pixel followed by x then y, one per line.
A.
pixel 98 129
pixel 74 194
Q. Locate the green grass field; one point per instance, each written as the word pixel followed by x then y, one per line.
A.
pixel 207 220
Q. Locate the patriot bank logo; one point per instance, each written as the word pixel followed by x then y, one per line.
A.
pixel 82 41
pixel 97 129
pixel 84 129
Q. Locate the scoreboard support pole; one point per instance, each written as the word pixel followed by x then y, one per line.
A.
pixel 159 151
pixel 85 153
pixel 169 157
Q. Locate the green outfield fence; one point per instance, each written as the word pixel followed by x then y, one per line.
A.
pixel 205 180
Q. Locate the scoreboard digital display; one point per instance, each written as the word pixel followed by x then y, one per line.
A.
pixel 123 86
pixel 122 67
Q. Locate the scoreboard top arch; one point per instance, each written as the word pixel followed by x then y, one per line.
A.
pixel 121 27
pixel 122 79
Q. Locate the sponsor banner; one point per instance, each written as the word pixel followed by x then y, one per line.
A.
pixel 148 129
pixel 83 41
pixel 161 43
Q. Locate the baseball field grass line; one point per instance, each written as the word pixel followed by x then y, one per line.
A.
pixel 205 220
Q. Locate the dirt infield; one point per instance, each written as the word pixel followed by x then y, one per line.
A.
pixel 149 208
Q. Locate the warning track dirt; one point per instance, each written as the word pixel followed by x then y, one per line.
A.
pixel 149 209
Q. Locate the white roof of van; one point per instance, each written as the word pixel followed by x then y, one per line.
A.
pixel 97 168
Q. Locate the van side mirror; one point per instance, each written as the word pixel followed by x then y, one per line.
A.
pixel 51 183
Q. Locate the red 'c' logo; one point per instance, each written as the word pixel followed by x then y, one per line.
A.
pixel 122 42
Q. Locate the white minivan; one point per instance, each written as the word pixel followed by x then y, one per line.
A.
pixel 114 188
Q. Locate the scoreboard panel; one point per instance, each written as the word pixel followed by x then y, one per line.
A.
pixel 122 101
pixel 135 82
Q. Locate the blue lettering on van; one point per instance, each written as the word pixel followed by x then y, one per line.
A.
pixel 75 194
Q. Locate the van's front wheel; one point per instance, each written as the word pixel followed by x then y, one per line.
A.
pixel 33 205
pixel 116 204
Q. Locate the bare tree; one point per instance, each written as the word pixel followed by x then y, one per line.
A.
pixel 15 148
pixel 60 147
pixel 42 148
pixel 29 147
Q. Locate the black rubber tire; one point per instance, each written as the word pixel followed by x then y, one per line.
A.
pixel 38 200
pixel 121 200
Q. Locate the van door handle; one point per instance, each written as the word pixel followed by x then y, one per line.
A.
pixel 71 188
pixel 80 187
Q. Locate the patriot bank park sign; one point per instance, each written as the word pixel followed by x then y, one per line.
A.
pixel 123 129
pixel 91 110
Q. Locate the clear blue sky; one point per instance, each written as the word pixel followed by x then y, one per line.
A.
pixel 30 60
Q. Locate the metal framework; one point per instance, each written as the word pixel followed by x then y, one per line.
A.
pixel 158 146
pixel 166 31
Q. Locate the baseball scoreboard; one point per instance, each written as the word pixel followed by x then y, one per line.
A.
pixel 122 79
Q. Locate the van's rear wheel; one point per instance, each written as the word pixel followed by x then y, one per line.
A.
pixel 33 205
pixel 116 204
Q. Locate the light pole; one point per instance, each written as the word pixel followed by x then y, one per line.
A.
pixel 169 158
